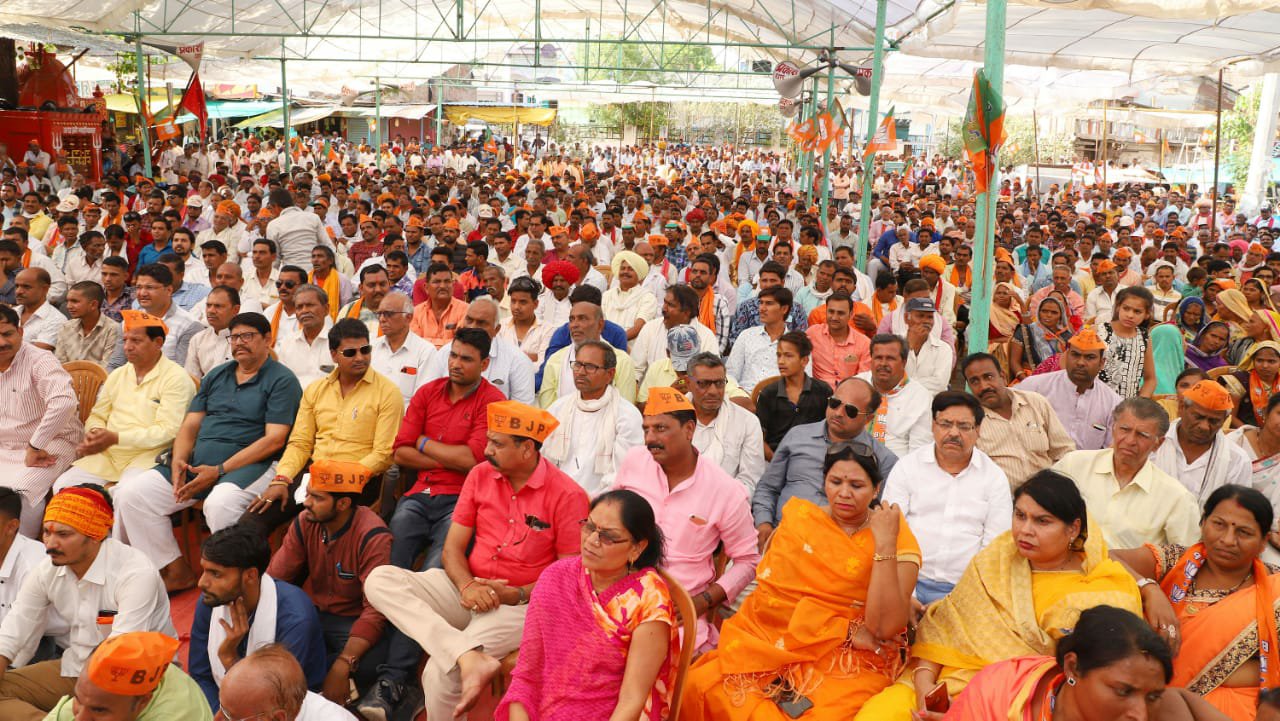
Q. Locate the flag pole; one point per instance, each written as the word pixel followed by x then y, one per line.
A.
pixel 873 122
pixel 826 153
pixel 984 237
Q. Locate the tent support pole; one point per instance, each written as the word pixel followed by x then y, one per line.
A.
pixel 826 153
pixel 284 107
pixel 1217 159
pixel 143 97
pixel 377 119
pixel 873 119
pixel 984 237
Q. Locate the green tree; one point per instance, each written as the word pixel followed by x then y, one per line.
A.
pixel 1237 136
pixel 628 62
pixel 1020 147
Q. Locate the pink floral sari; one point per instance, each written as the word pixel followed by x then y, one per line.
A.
pixel 574 650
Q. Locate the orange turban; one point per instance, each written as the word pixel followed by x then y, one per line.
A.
pixel 338 476
pixel 132 664
pixel 1210 395
pixel 1087 340
pixel 809 252
pixel 228 207
pixel 142 319
pixel 414 222
pixel 1003 256
pixel 663 399
pixel 589 232
pixel 934 262
pixel 84 509
pixel 517 419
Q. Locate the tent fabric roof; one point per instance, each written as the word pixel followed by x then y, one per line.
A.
pixel 1133 38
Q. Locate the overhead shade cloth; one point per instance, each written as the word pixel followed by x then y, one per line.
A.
pixel 128 102
pixel 297 116
pixel 460 114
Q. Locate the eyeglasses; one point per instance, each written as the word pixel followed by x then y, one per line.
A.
pixel 385 314
pixel 849 409
pixel 709 384
pixel 287 284
pixel 606 538
pixel 588 367
pixel 351 352
pixel 222 715
pixel 952 425
pixel 243 337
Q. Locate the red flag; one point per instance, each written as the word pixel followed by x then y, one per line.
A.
pixel 193 102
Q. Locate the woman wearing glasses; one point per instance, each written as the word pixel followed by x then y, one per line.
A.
pixel 1017 597
pixel 824 630
pixel 600 637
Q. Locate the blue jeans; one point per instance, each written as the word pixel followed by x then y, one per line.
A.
pixel 928 591
pixel 420 521
pixel 337 629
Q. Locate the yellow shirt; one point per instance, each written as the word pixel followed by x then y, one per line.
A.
pixel 145 415
pixel 1153 508
pixel 662 373
pixel 360 427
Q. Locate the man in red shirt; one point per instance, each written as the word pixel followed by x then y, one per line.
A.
pixel 522 513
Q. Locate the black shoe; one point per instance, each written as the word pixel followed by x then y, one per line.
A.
pixel 411 704
pixel 380 701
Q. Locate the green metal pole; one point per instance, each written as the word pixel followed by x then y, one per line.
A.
pixel 377 120
pixel 808 165
pixel 873 119
pixel 826 153
pixel 284 105
pixel 143 97
pixel 440 111
pixel 984 237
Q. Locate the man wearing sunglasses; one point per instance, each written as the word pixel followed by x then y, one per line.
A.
pixel 350 414
pixel 225 451
pixel 796 468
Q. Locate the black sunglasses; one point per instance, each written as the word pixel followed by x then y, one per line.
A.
pixel 351 352
pixel 849 409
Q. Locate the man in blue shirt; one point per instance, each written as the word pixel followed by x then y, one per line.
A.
pixel 257 609
pixel 160 242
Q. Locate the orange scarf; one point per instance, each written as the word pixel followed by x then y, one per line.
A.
pixel 707 309
pixel 1176 584
pixel 26 258
pixel 275 322
pixel 877 313
pixel 957 281
pixel 879 426
pixel 333 289
pixel 1260 393
pixel 355 313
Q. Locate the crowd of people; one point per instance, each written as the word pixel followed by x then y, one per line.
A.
pixel 509 412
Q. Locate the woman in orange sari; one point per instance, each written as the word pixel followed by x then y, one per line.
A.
pixel 824 631
pixel 1110 650
pixel 1219 600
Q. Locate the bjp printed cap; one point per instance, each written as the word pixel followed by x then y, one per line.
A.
pixel 664 399
pixel 1210 395
pixel 1087 340
pixel 517 419
pixel 132 664
pixel 83 509
pixel 338 476
pixel 142 319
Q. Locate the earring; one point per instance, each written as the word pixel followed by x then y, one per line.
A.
pixel 1071 682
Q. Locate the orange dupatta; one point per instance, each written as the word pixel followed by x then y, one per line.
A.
pixel 1212 632
pixel 354 312
pixel 333 289
pixel 707 310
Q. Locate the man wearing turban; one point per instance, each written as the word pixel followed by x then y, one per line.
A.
pixel 558 278
pixel 98 585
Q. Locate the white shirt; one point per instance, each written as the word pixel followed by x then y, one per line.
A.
pixel 931 366
pixel 43 325
pixel 308 361
pixel 554 313
pixel 754 357
pixel 953 517
pixel 650 345
pixel 121 579
pixel 405 366
pixel 909 421
pixel 296 233
pixel 596 279
pixel 581 463
pixel 510 370
pixel 318 708
pixel 78 269
pixel 23 556
pixel 1230 464
pixel 1100 306
pixel 735 442
pixel 208 349
pixel 265 293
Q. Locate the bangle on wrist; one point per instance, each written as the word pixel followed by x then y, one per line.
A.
pixel 466 585
pixel 222 470
pixel 422 444
pixel 885 557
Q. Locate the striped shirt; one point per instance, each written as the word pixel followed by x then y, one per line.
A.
pixel 1029 440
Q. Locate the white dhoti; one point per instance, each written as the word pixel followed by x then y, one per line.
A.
pixel 32 483
pixel 144 501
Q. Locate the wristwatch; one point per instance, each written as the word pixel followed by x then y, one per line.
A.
pixel 352 662
pixel 1144 582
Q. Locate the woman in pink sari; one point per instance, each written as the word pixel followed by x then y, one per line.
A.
pixel 600 638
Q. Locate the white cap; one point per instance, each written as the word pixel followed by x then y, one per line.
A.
pixel 1126 222
pixel 195 201
pixel 68 205
pixel 485 212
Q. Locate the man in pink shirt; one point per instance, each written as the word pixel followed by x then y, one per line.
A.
pixel 838 350
pixel 697 504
